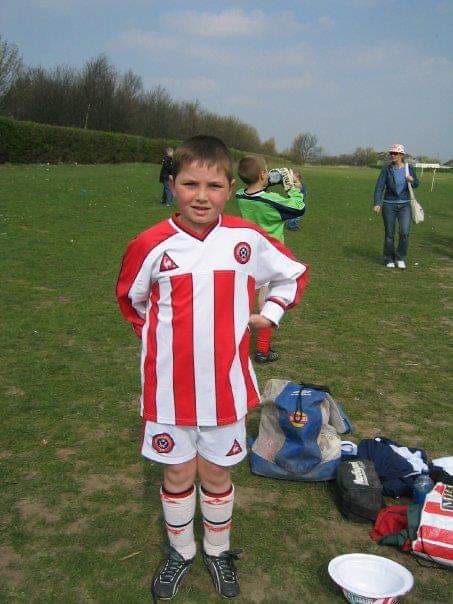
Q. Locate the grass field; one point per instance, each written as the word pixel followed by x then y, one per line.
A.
pixel 80 514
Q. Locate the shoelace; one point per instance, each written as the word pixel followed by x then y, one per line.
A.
pixel 226 566
pixel 172 566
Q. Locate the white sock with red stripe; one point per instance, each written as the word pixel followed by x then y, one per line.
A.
pixel 217 510
pixel 179 510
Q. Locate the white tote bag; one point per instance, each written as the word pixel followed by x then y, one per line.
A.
pixel 417 213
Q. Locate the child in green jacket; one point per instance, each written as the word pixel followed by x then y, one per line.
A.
pixel 270 211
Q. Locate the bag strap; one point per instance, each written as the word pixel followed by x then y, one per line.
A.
pixel 308 386
pixel 409 186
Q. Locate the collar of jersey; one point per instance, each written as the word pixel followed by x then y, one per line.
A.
pixel 256 193
pixel 200 236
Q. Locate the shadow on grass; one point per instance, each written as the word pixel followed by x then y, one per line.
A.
pixel 363 252
pixel 442 245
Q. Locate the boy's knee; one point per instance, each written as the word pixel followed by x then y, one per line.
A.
pixel 213 477
pixel 181 476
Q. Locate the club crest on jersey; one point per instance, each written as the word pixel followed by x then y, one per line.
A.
pixel 235 449
pixel 167 264
pixel 242 252
pixel 163 443
pixel 298 419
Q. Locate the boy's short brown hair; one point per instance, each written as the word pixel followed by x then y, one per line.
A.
pixel 250 166
pixel 206 150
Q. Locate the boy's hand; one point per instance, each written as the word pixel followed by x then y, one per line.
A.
pixel 258 322
pixel 377 209
pixel 409 178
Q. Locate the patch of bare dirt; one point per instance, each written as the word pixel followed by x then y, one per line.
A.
pixel 9 560
pixel 129 508
pixel 345 531
pixel 115 547
pixel 65 453
pixel 36 511
pixel 258 587
pixel 247 497
pixel 95 483
pixel 14 391
pixel 5 454
pixel 130 479
pixel 78 526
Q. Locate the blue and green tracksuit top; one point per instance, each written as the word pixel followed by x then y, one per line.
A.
pixel 270 210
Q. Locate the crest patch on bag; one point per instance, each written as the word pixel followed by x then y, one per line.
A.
pixel 298 419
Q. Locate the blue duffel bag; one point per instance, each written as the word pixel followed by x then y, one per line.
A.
pixel 299 432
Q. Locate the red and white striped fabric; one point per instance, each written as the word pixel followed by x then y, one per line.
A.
pixel 189 297
pixel 435 533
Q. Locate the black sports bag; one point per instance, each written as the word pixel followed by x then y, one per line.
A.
pixel 359 490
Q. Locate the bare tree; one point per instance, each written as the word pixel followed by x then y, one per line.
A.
pixel 303 147
pixel 10 66
pixel 269 147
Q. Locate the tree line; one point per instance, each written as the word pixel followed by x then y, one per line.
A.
pixel 98 97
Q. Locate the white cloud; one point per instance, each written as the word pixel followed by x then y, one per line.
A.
pixel 228 23
pixel 242 100
pixel 147 40
pixel 196 85
pixel 286 83
pixel 326 23
pixel 444 7
pixel 60 5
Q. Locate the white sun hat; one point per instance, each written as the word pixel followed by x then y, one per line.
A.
pixel 397 148
pixel 367 578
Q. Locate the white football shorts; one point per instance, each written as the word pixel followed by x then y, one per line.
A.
pixel 222 445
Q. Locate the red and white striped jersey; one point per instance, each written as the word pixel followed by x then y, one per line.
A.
pixel 189 297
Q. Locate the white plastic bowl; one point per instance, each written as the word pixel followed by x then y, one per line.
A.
pixel 365 578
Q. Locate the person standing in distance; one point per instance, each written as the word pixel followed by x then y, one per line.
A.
pixel 391 196
pixel 164 176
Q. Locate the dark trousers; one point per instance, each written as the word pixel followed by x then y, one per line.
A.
pixel 391 212
pixel 167 195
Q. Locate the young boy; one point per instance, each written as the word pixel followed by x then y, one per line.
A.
pixel 270 210
pixel 187 286
pixel 164 176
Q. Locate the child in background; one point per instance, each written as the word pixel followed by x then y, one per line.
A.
pixel 187 285
pixel 293 224
pixel 269 210
pixel 164 176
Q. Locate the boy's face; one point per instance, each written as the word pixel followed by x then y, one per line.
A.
pixel 201 193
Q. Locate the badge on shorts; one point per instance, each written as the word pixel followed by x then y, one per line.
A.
pixel 242 252
pixel 235 449
pixel 298 419
pixel 163 443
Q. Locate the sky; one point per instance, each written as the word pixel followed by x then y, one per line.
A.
pixel 354 72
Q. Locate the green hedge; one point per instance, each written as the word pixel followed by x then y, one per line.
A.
pixel 29 142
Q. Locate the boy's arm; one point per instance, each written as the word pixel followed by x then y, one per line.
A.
pixel 133 286
pixel 286 276
pixel 288 207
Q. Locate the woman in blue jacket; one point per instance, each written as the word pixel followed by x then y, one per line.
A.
pixel 391 195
